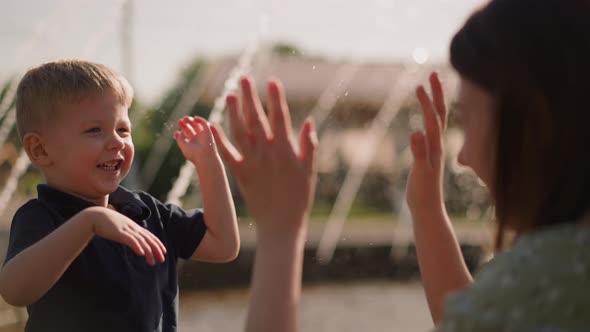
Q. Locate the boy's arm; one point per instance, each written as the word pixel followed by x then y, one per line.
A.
pixel 277 179
pixel 32 272
pixel 441 262
pixel 221 241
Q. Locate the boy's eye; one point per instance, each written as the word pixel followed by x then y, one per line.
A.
pixel 124 130
pixel 93 130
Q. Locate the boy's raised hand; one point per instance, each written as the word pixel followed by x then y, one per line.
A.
pixel 424 189
pixel 115 226
pixel 275 174
pixel 195 139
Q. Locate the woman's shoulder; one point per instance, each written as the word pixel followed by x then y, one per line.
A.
pixel 540 281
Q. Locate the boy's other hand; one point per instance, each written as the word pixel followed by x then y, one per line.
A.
pixel 195 139
pixel 424 189
pixel 115 226
pixel 275 174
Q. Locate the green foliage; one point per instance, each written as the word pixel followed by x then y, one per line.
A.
pixel 5 87
pixel 285 49
pixel 380 192
pixel 155 124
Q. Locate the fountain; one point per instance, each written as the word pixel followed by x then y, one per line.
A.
pixel 184 106
pixel 243 66
pixel 450 83
pixel 403 86
pixel 332 92
pixel 23 162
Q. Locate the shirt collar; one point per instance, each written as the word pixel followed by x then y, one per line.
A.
pixel 67 205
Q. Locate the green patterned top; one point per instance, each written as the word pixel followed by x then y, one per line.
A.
pixel 541 284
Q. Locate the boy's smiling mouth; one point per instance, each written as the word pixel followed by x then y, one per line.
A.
pixel 113 165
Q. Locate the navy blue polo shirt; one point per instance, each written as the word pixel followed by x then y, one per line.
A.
pixel 108 287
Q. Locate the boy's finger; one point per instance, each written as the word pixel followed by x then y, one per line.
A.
pixel 203 125
pixel 149 255
pixel 280 119
pixel 439 99
pixel 157 241
pixel 255 118
pixel 160 244
pixel 309 142
pixel 431 125
pixel 154 246
pixel 228 152
pixel 180 138
pixel 187 129
pixel 132 243
pixel 237 126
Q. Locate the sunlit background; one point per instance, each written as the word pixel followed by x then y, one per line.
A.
pixel 350 65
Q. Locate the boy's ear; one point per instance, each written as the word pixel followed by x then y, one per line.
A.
pixel 35 148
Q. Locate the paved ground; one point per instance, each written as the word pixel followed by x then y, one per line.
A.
pixel 360 233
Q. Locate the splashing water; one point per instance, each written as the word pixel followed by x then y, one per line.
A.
pixel 163 144
pixel 378 130
pixel 7 125
pixel 20 166
pixel 243 66
pixel 330 95
pixel 23 162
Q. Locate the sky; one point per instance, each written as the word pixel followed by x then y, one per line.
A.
pixel 166 35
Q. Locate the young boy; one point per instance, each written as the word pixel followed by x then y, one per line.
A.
pixel 87 254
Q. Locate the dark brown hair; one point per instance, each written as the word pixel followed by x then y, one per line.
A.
pixel 533 57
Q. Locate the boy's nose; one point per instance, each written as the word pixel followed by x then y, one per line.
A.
pixel 116 143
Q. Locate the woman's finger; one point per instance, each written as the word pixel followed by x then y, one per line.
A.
pixel 228 152
pixel 237 125
pixel 431 125
pixel 439 99
pixel 280 119
pixel 418 147
pixel 309 142
pixel 256 120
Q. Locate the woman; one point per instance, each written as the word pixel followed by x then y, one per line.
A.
pixel 524 66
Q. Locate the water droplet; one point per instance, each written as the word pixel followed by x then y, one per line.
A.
pixel 420 55
pixel 313 68
pixel 346 93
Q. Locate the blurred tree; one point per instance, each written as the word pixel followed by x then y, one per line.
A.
pixel 285 49
pixel 154 124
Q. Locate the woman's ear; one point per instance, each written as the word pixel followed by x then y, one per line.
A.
pixel 35 148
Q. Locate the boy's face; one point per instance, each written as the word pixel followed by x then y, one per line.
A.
pixel 90 147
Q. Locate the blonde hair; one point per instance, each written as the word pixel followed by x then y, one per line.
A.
pixel 46 88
